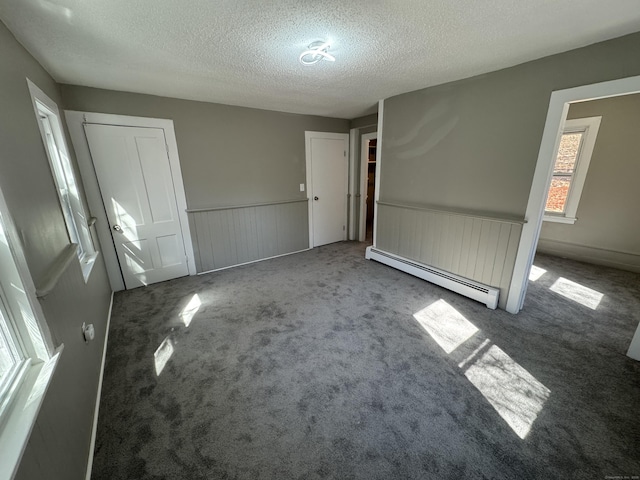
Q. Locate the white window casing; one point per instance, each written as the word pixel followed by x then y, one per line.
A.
pixel 589 128
pixel 65 178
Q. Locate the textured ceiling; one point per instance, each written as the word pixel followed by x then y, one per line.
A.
pixel 245 52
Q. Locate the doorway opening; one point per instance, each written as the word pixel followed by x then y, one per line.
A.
pixel 368 174
pixel 592 196
pixel 556 117
pixel 561 107
pixel 371 189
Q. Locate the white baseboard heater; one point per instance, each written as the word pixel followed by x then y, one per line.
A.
pixel 469 288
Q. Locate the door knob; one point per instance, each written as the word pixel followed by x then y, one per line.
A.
pixel 117 228
pixel 315 198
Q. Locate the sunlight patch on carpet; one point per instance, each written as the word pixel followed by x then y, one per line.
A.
pixel 514 393
pixel 536 273
pixel 188 312
pixel 446 325
pixel 162 355
pixel 578 293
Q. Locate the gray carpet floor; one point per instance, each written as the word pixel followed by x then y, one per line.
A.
pixel 323 365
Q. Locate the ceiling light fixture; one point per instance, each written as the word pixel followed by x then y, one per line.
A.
pixel 316 51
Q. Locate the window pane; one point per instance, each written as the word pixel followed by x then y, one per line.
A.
pixel 8 352
pixel 567 153
pixel 558 192
pixel 563 171
pixel 69 196
pixel 68 215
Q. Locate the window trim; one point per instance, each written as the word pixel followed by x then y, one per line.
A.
pixel 33 374
pixel 45 107
pixel 590 127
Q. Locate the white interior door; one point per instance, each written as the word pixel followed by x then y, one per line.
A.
pixel 133 171
pixel 327 170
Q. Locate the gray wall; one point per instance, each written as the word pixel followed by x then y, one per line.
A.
pixel 472 145
pixel 608 227
pixel 366 121
pixel 59 445
pixel 229 156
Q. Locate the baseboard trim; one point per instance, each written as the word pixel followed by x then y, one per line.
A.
pixel 253 261
pixel 587 254
pixel 464 286
pixel 94 429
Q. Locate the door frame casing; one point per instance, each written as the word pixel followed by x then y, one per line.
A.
pixel 352 233
pixel 556 116
pixel 364 171
pixel 75 122
pixel 308 135
pixel 378 171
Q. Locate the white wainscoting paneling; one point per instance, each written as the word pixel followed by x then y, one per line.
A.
pixel 229 236
pixel 472 246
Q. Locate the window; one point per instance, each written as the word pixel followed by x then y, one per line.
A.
pixel 570 169
pixel 10 356
pixel 27 359
pixel 15 346
pixel 78 225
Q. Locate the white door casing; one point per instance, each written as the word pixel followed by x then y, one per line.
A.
pixel 378 170
pixel 133 171
pixel 351 197
pixel 327 186
pixel 75 123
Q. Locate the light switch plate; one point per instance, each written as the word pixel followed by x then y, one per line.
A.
pixel 302 187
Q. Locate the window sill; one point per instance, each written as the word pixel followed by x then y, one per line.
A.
pixel 559 219
pixel 23 412
pixel 87 263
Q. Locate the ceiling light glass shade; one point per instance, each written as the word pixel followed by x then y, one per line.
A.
pixel 316 51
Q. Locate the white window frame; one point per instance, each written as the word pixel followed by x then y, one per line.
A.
pixel 589 127
pixel 23 390
pixel 65 178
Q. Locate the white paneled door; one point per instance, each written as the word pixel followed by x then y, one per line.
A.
pixel 327 166
pixel 134 174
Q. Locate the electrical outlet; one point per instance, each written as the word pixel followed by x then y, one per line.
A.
pixel 88 332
